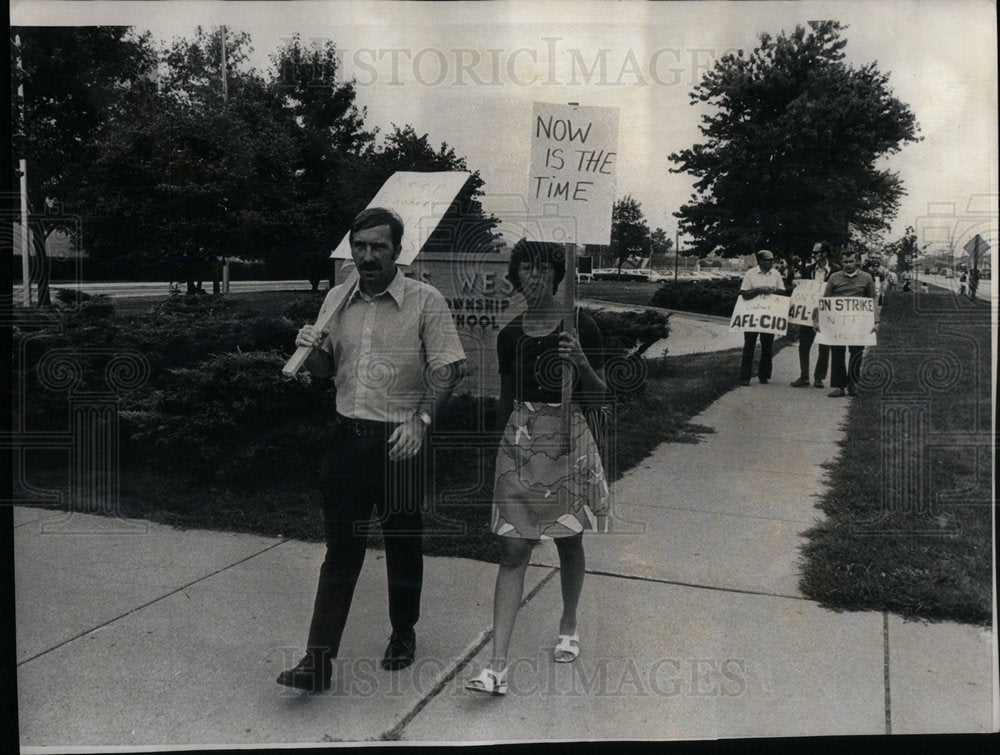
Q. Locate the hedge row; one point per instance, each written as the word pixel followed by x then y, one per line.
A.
pixel 88 270
pixel 210 404
pixel 709 297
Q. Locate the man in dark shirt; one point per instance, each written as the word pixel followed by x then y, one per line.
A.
pixel 821 269
pixel 849 282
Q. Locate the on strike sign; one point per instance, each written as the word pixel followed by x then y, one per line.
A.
pixel 762 314
pixel 574 159
pixel 804 301
pixel 846 321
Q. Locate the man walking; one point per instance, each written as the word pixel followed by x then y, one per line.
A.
pixel 849 282
pixel 394 356
pixel 821 269
pixel 763 279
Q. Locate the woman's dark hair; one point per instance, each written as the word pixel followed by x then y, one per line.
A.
pixel 373 217
pixel 537 252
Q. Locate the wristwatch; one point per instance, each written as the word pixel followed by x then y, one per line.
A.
pixel 425 418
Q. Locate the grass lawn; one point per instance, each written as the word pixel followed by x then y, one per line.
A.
pixel 909 510
pixel 623 292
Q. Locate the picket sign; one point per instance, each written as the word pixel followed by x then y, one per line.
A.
pixel 572 173
pixel 420 200
pixel 804 301
pixel 571 184
pixel 846 321
pixel 767 313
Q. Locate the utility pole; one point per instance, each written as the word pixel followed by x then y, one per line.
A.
pixel 225 101
pixel 23 168
pixel 677 250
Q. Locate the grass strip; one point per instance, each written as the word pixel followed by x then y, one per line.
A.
pixel 908 524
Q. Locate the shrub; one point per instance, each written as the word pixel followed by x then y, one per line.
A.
pixel 631 331
pixel 710 297
pixel 228 416
pixel 627 336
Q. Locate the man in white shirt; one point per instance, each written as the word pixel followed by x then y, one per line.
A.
pixel 763 279
pixel 394 356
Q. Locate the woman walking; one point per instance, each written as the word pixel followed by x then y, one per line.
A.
pixel 546 485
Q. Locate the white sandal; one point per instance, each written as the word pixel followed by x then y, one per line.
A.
pixel 489 682
pixel 568 644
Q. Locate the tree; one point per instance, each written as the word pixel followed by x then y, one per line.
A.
pixel 629 231
pixel 76 82
pixel 790 151
pixel 333 176
pixel 192 176
pixel 465 227
pixel 906 250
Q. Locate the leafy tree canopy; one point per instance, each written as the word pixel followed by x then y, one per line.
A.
pixel 163 162
pixel 791 148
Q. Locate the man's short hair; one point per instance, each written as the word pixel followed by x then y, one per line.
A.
pixel 822 247
pixel 537 252
pixel 373 217
pixel 765 254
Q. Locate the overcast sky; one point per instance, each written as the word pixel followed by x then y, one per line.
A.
pixel 467 74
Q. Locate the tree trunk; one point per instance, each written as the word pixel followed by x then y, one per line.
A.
pixel 216 276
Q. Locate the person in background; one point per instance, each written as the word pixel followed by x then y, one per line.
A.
pixel 849 282
pixel 973 282
pixel 757 281
pixel 821 269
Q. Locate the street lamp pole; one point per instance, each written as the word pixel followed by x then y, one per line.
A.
pixel 677 251
pixel 225 100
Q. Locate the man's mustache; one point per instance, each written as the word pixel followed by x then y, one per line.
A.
pixel 370 266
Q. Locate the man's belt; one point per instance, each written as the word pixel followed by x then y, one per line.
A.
pixel 366 427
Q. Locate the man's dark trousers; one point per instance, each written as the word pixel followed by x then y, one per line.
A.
pixel 357 477
pixel 839 378
pixel 807 335
pixel 766 349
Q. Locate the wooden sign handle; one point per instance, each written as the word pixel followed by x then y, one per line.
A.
pixel 331 305
pixel 569 325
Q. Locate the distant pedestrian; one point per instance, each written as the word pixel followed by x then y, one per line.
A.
pixel 821 269
pixel 849 282
pixel 757 281
pixel 963 278
pixel 973 282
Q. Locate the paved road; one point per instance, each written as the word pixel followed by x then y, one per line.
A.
pixel 161 289
pixel 984 291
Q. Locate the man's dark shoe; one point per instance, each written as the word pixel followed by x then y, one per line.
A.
pixel 306 676
pixel 818 383
pixel 399 653
pixel 763 381
pixel 800 382
pixel 851 390
pixel 744 382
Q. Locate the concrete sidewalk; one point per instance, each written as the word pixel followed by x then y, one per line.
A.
pixel 692 624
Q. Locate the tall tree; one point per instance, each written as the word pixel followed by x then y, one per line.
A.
pixel 465 227
pixel 660 242
pixel 195 176
pixel 629 230
pixel 76 81
pixel 333 151
pixel 791 150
